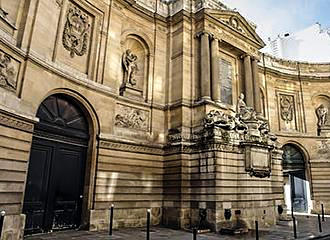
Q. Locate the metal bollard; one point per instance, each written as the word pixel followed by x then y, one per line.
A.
pixel 2 218
pixel 294 227
pixel 257 230
pixel 194 233
pixel 111 220
pixel 320 224
pixel 148 224
pixel 322 208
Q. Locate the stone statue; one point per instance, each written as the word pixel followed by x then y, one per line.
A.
pixel 130 67
pixel 322 115
pixel 243 111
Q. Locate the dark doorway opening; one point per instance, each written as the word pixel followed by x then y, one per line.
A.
pixel 295 172
pixel 55 181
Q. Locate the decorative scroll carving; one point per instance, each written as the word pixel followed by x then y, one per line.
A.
pixel 7 72
pixel 76 31
pixel 287 107
pixel 260 174
pixel 322 115
pixel 130 67
pixel 234 22
pixel 59 3
pixel 244 130
pixel 128 117
pixel 224 121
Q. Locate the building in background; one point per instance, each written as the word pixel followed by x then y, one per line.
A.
pixel 311 44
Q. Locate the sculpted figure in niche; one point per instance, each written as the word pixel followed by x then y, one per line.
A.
pixel 130 67
pixel 322 115
pixel 244 112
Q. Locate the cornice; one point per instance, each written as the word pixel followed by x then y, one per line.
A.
pixel 16 120
pixel 208 16
pixel 141 11
pixel 295 76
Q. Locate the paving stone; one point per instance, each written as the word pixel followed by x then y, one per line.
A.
pixel 307 228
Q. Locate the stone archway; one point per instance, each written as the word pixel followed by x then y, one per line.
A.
pixel 297 187
pixel 55 183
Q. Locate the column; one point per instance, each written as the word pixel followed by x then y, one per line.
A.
pixel 256 86
pixel 216 91
pixel 248 81
pixel 205 66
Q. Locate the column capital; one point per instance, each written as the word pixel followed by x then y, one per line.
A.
pixel 199 34
pixel 215 38
pixel 255 58
pixel 245 55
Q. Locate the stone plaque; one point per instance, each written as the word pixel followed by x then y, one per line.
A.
pixel 258 161
pixel 226 81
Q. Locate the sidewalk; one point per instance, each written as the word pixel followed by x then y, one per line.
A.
pixel 307 228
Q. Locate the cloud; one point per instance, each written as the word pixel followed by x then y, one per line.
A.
pixel 274 17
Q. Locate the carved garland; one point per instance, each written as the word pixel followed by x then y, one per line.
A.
pixel 76 31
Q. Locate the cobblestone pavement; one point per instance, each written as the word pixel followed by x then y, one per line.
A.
pixel 307 229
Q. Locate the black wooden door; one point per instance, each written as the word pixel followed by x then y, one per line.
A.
pixel 54 187
pixel 53 198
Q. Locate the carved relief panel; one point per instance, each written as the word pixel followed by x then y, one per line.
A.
pixel 9 69
pixel 78 36
pixel 131 118
pixel 76 33
pixel 288 112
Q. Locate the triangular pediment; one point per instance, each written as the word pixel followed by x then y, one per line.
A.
pixel 238 23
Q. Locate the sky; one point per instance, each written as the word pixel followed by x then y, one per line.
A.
pixel 274 17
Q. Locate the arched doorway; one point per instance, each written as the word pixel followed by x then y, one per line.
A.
pixel 297 193
pixel 55 181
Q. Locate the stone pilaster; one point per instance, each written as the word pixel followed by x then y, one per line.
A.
pixel 205 66
pixel 215 70
pixel 248 81
pixel 256 86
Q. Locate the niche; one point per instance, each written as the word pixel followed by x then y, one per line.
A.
pixel 135 65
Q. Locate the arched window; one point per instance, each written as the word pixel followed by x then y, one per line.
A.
pixel 293 158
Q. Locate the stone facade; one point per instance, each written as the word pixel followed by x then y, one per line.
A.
pixel 169 130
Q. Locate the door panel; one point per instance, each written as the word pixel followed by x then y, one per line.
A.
pixel 37 186
pixel 68 186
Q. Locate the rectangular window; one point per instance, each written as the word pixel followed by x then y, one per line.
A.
pixel 226 81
